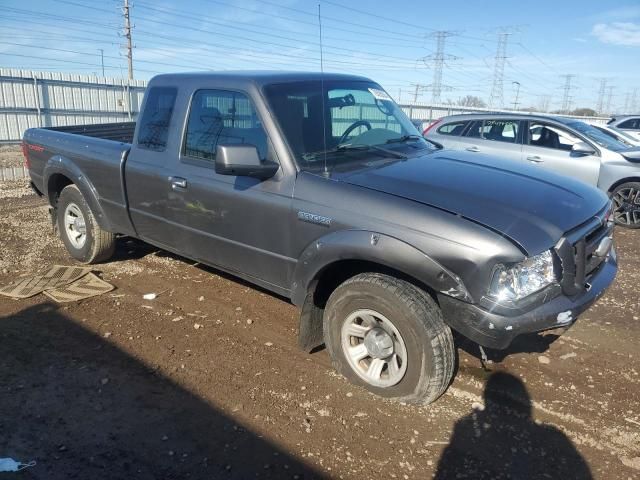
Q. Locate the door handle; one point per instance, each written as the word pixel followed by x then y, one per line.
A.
pixel 472 149
pixel 178 183
pixel 535 159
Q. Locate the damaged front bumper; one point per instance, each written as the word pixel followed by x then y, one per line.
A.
pixel 497 330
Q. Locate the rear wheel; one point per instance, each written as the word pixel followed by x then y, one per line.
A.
pixel 626 205
pixel 82 236
pixel 388 336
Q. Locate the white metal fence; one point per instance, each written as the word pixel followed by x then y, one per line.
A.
pixel 13 173
pixel 50 99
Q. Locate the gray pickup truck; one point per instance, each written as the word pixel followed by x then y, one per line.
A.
pixel 320 189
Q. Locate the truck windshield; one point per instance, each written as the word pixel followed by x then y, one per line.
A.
pixel 342 126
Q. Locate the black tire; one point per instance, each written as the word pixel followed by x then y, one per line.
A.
pixel 626 208
pixel 99 245
pixel 416 316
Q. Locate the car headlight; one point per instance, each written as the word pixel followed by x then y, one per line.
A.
pixel 514 282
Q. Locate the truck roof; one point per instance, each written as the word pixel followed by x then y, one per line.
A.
pixel 255 77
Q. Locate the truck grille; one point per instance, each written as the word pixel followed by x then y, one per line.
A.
pixel 576 253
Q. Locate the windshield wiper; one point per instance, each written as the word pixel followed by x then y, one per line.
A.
pixel 361 146
pixel 404 139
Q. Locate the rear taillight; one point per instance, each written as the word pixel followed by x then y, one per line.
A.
pixel 426 130
pixel 25 153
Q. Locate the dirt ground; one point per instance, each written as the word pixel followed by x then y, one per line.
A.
pixel 10 156
pixel 206 382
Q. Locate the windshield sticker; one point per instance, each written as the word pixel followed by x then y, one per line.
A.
pixel 380 94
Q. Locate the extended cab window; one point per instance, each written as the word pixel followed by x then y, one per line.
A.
pixel 496 130
pixel 454 128
pixel 154 125
pixel 219 117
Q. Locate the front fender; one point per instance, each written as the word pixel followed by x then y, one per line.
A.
pixel 377 248
pixel 59 165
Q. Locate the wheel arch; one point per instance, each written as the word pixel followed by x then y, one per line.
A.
pixel 331 260
pixel 60 172
pixel 622 182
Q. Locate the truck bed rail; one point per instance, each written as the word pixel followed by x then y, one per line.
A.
pixel 119 132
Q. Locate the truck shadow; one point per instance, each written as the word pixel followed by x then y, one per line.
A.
pixel 83 408
pixel 502 440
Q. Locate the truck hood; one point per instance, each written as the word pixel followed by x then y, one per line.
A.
pixel 529 205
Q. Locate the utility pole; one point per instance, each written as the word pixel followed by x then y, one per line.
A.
pixel 566 96
pixel 127 35
pixel 418 88
pixel 437 61
pixel 102 60
pixel 515 102
pixel 497 91
pixel 601 91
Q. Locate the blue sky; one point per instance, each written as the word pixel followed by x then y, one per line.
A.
pixel 384 40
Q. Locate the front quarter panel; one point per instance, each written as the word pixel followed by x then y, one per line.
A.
pixel 417 239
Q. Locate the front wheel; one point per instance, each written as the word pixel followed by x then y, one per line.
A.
pixel 626 205
pixel 82 236
pixel 389 336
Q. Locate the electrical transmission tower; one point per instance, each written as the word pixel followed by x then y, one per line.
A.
pixel 566 96
pixel 601 91
pixel 545 101
pixel 610 90
pixel 634 101
pixel 437 61
pixel 127 35
pixel 497 90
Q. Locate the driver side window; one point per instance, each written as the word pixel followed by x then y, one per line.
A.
pixel 358 111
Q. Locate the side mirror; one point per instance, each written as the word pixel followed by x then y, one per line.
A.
pixel 583 148
pixel 243 161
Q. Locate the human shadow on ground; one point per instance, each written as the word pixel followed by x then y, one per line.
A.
pixel 502 441
pixel 84 408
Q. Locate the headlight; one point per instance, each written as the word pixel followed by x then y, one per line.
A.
pixel 514 282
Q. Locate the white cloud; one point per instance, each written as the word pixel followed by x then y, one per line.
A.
pixel 618 33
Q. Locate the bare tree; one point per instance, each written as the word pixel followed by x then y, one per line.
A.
pixel 471 101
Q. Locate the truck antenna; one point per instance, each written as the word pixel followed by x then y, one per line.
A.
pixel 324 116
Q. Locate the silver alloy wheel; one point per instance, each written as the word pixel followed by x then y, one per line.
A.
pixel 75 226
pixel 374 348
pixel 626 206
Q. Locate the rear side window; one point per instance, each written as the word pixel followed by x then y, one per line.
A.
pixel 496 130
pixel 631 124
pixel 453 129
pixel 219 117
pixel 154 125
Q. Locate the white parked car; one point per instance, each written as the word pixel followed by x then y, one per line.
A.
pixel 619 135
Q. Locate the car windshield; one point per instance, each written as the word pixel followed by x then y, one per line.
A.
pixel 599 137
pixel 342 123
